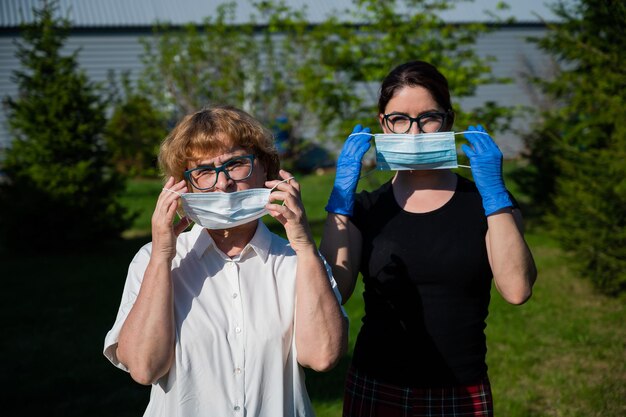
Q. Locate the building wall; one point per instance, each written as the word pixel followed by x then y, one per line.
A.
pixel 515 56
pixel 121 50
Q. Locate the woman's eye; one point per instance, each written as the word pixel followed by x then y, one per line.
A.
pixel 431 118
pixel 234 165
pixel 204 172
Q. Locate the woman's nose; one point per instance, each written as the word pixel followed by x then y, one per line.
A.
pixel 223 181
pixel 415 129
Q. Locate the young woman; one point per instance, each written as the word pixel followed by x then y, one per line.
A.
pixel 428 244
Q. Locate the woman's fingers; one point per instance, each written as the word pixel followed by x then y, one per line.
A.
pixel 167 203
pixel 287 184
pixel 290 213
pixel 477 140
pixel 289 179
pixel 287 191
pixel 290 203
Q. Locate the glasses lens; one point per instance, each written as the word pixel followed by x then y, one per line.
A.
pixel 398 123
pixel 203 178
pixel 431 122
pixel 239 169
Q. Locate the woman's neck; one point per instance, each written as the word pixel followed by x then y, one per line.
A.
pixel 433 179
pixel 423 191
pixel 232 241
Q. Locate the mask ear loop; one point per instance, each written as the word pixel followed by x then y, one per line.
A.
pixel 469 131
pixel 172 191
pixel 285 180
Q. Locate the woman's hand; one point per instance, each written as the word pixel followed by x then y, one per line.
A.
pixel 164 232
pixel 341 199
pixel 486 161
pixel 291 213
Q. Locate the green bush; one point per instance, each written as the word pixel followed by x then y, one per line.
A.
pixel 134 132
pixel 590 220
pixel 537 178
pixel 61 186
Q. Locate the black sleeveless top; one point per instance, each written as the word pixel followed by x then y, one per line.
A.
pixel 427 289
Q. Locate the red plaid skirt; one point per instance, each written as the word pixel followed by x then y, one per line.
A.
pixel 366 397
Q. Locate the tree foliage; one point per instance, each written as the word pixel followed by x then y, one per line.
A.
pixel 134 131
pixel 323 77
pixel 187 68
pixel 61 185
pixel 577 152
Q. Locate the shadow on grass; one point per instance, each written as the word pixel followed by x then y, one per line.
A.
pixel 56 312
pixel 328 386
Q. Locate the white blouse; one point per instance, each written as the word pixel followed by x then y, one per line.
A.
pixel 235 345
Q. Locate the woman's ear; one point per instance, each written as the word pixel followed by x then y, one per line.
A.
pixel 381 118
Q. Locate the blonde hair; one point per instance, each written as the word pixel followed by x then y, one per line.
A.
pixel 213 130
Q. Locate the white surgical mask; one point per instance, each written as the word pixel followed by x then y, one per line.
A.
pixel 219 210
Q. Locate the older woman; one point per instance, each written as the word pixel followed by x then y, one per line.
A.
pixel 222 318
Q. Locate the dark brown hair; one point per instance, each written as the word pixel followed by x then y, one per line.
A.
pixel 413 74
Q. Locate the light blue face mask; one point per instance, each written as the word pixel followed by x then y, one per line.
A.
pixel 219 210
pixel 399 152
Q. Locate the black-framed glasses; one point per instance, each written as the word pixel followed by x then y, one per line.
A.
pixel 428 122
pixel 204 177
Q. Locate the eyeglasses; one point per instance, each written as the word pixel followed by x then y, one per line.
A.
pixel 204 177
pixel 428 122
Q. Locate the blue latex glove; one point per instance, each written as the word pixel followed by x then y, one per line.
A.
pixel 341 199
pixel 486 162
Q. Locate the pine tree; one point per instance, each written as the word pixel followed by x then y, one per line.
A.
pixel 580 148
pixel 61 184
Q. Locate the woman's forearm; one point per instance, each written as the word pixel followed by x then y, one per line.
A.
pixel 320 328
pixel 340 246
pixel 146 341
pixel 511 261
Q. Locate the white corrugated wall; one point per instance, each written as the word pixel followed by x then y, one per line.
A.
pixel 100 52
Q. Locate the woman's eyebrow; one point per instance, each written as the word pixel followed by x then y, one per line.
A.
pixel 419 114
pixel 221 162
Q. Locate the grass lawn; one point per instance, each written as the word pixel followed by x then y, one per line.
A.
pixel 561 354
